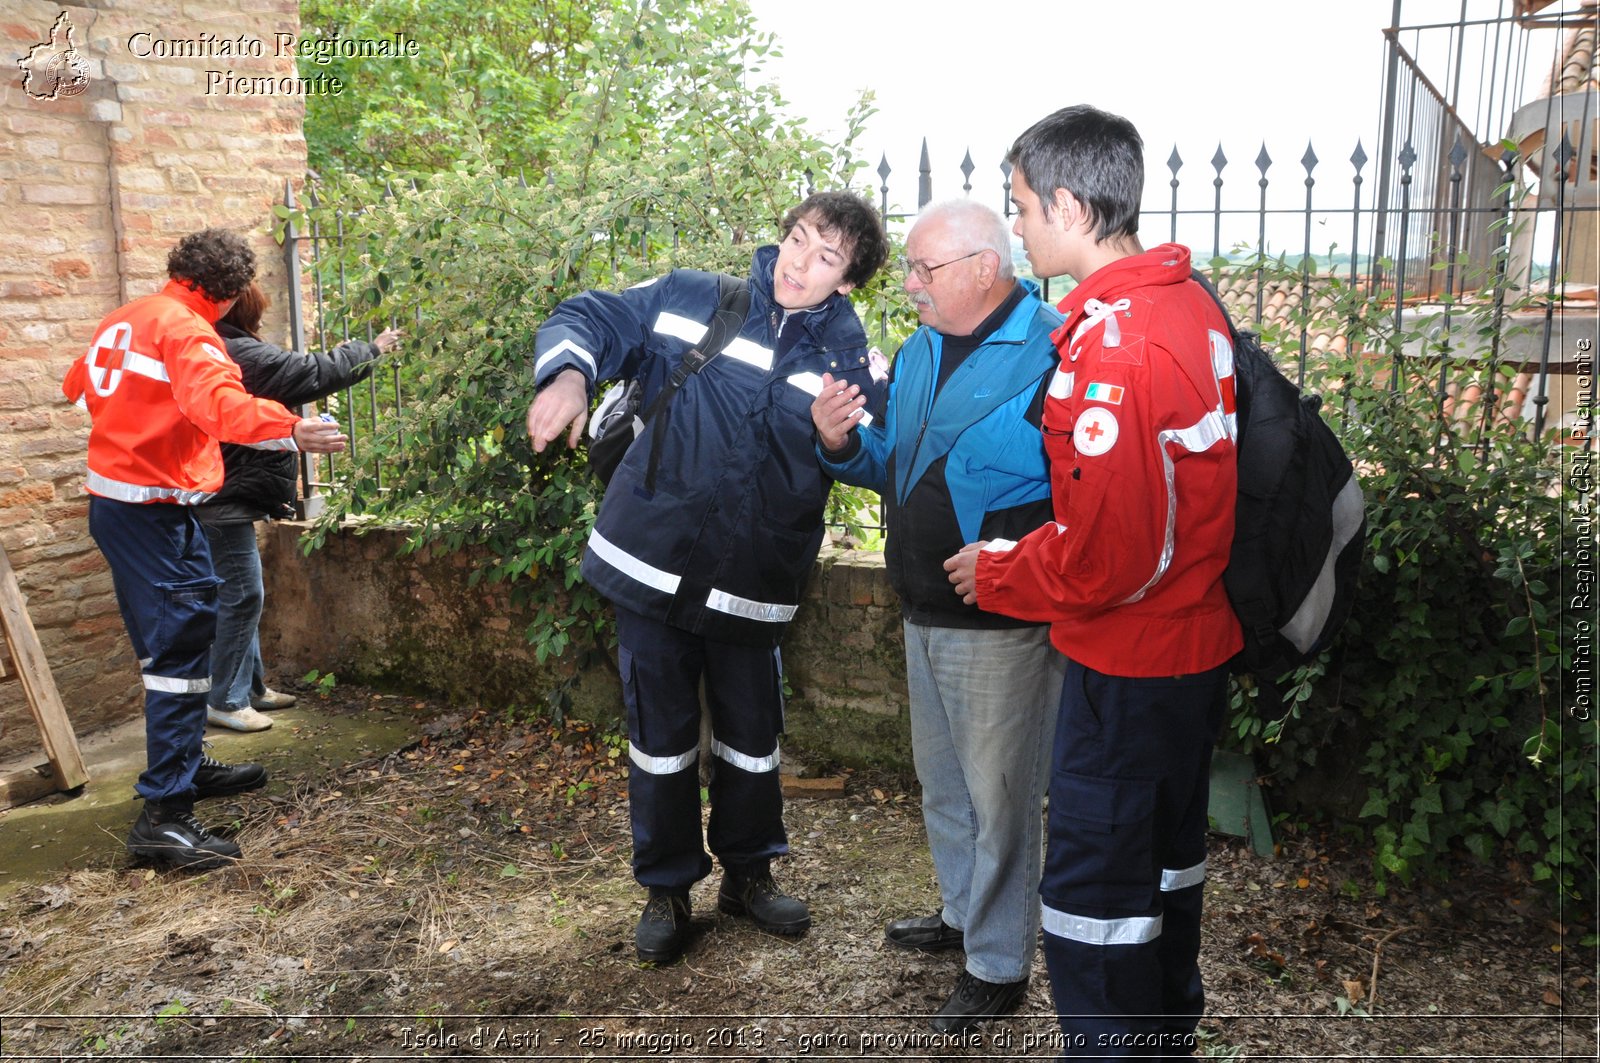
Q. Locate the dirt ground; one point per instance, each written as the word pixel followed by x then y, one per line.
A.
pixel 470 896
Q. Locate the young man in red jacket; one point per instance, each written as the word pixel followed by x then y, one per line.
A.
pixel 1139 427
pixel 160 392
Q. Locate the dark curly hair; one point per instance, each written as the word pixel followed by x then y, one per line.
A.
pixel 854 221
pixel 217 261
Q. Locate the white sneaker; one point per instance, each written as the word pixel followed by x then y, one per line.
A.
pixel 272 699
pixel 245 719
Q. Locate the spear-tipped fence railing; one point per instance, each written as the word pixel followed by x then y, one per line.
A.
pixel 1438 221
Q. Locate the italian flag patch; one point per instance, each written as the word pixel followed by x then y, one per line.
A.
pixel 1107 393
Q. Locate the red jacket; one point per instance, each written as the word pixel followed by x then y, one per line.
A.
pixel 1139 426
pixel 161 390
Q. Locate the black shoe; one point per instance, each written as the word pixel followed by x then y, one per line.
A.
pixel 975 1000
pixel 171 835
pixel 928 934
pixel 663 928
pixel 216 779
pixel 750 891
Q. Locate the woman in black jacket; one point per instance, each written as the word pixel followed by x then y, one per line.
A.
pixel 260 484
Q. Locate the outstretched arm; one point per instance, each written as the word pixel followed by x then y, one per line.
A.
pixel 561 406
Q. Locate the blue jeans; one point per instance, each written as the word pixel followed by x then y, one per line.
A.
pixel 983 713
pixel 161 570
pixel 236 655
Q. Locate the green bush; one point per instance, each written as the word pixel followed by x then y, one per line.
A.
pixel 672 161
pixel 1442 693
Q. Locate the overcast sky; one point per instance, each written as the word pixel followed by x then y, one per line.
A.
pixel 1189 74
pixel 1186 73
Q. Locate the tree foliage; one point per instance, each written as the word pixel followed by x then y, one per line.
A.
pixel 672 157
pixel 491 80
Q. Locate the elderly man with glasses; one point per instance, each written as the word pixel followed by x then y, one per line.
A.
pixel 959 458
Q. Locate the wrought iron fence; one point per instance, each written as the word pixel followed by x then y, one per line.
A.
pixel 1412 246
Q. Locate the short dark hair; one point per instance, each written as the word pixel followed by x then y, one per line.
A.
pixel 217 261
pixel 855 222
pixel 1098 157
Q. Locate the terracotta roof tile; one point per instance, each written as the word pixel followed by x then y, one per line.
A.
pixel 1575 72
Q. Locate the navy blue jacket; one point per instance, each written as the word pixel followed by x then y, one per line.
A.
pixel 724 545
pixel 964 464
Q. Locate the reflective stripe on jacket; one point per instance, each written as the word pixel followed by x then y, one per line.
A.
pixel 160 391
pixel 1139 425
pixel 724 545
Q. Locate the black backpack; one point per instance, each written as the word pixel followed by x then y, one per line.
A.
pixel 1299 522
pixel 617 422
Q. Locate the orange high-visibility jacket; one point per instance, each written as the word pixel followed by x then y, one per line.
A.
pixel 161 391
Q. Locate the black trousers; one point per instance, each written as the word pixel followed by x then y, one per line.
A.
pixel 662 671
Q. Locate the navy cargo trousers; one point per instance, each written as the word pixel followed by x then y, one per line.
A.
pixel 1125 861
pixel 161 569
pixel 662 671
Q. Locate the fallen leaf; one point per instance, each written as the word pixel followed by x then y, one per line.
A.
pixel 448 945
pixel 1552 998
pixel 1354 990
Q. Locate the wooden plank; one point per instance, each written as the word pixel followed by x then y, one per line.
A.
pixel 60 742
pixel 27 784
pixel 828 786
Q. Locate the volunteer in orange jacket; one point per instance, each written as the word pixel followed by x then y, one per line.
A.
pixel 160 391
pixel 1139 428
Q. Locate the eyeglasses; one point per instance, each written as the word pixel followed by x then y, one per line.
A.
pixel 924 271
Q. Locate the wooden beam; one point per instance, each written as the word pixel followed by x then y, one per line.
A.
pixel 26 784
pixel 27 656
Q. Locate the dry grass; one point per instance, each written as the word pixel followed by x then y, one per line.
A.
pixel 420 896
pixel 328 875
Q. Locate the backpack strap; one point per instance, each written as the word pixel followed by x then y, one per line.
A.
pixel 733 303
pixel 1245 606
pixel 1211 290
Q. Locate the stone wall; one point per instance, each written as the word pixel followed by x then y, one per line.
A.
pixel 359 610
pixel 95 187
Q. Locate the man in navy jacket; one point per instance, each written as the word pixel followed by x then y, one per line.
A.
pixel 706 569
pixel 959 457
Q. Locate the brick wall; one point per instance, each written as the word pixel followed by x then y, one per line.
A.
pixel 94 190
pixel 413 622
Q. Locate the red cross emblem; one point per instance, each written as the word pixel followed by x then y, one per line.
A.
pixel 1095 431
pixel 106 357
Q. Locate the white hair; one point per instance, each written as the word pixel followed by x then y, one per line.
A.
pixel 976 226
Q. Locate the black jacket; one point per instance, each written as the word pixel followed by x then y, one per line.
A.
pixel 261 483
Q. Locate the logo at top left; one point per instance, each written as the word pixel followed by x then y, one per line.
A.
pixel 55 68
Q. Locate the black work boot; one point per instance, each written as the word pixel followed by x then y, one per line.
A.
pixel 216 779
pixel 975 1000
pixel 748 890
pixel 168 833
pixel 663 929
